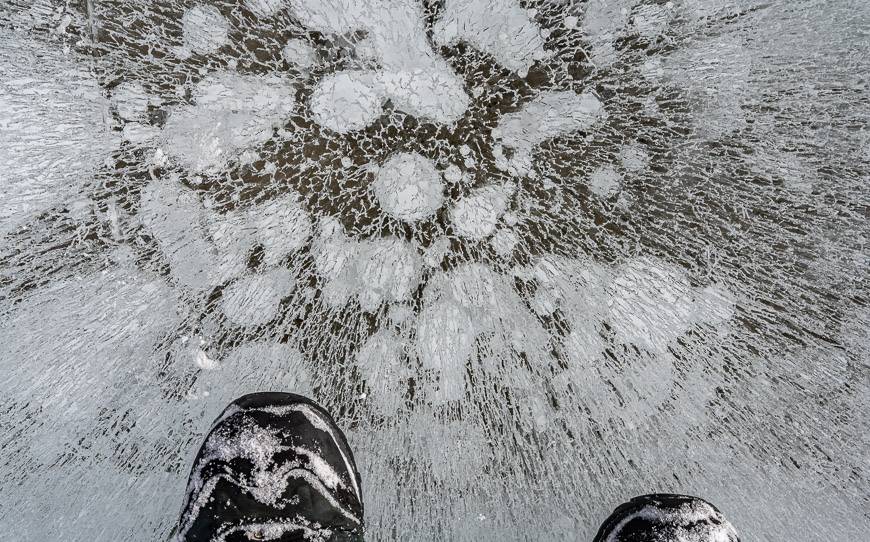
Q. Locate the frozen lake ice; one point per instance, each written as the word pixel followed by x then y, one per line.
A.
pixel 537 256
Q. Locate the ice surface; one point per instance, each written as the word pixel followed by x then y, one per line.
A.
pixel 501 28
pixel 537 257
pixel 409 187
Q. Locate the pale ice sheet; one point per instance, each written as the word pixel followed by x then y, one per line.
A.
pixel 537 257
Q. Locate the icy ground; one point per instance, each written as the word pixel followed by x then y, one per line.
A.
pixel 538 256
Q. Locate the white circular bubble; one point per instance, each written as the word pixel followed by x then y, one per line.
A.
pixel 633 157
pixel 409 187
pixel 281 226
pixel 299 53
pixel 476 215
pixel 503 242
pixel 254 300
pixel 604 181
pixel 388 270
pixel 345 102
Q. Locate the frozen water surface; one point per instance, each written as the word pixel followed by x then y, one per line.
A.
pixel 536 256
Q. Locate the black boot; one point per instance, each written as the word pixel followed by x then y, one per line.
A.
pixel 666 518
pixel 273 467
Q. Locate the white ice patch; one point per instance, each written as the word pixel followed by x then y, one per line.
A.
pixel 491 304
pixel 409 187
pixel 205 249
pixel 504 242
pixel 230 113
pixel 501 28
pixel 650 20
pixel 416 79
pixel 266 8
pixel 204 29
pixel 473 285
pixel 299 54
pixel 174 216
pixel 379 271
pixel 54 131
pixel 652 303
pixel 435 252
pixel 131 101
pixel 281 227
pixel 445 336
pixel 381 363
pixel 433 93
pixel 633 158
pixel 254 300
pixel 603 22
pixel 138 134
pixel 388 269
pixel 549 115
pixel 604 181
pixel 203 361
pixel 476 215
pixel 717 73
pixel 346 101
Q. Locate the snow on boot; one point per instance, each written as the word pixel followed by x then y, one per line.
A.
pixel 274 466
pixel 666 518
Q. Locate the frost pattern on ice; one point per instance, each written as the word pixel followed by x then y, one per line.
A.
pixel 537 257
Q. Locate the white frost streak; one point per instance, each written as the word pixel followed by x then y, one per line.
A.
pixel 229 113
